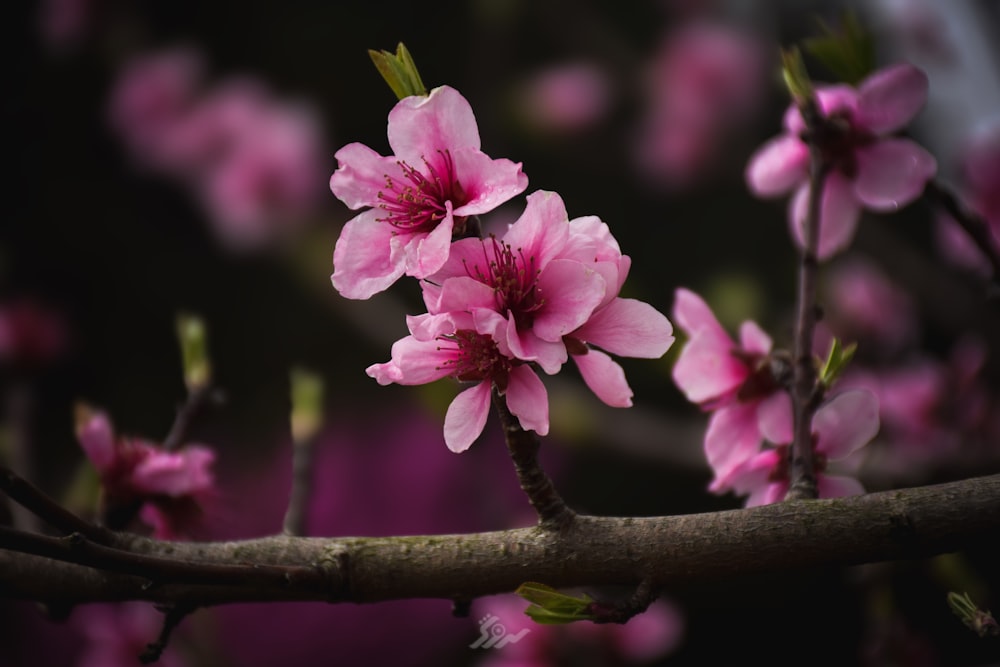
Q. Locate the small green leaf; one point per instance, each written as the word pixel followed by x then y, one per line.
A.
pixel 836 361
pixel 793 71
pixel 550 607
pixel 399 71
pixel 194 351
pixel 849 53
pixel 979 621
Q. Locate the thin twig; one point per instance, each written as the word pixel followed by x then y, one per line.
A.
pixel 973 224
pixel 32 498
pixel 302 478
pixel 172 616
pixel 645 594
pixel 523 447
pixel 802 464
pixel 196 400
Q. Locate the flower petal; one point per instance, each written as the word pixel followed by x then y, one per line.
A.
pixel 732 438
pixel 892 173
pixel 527 399
pixel 692 314
pixel 628 328
pixel 778 166
pixel 361 175
pixel 97 438
pixel 707 368
pixel 889 98
pixel 421 125
pixel 542 231
pixel 368 257
pixel 175 474
pixel 753 338
pixel 571 291
pixel 838 217
pixel 486 183
pixel 426 253
pixel 845 423
pixel 605 378
pixel 466 417
pixel 774 418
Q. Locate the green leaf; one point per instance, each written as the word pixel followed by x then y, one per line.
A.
pixel 399 71
pixel 793 71
pixel 849 53
pixel 550 607
pixel 307 404
pixel 194 351
pixel 836 361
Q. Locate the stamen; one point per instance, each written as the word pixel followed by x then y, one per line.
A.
pixel 417 202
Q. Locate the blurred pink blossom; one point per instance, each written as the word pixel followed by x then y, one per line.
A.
pixel 167 486
pixel 705 82
pixel 647 637
pixel 255 163
pixel 565 98
pixel 65 23
pixel 841 426
pixel 739 383
pixel 115 635
pixel 863 303
pixel 870 168
pixel 980 172
pixel 417 199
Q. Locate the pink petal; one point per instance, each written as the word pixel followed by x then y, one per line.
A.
pixel 605 378
pixel 97 438
pixel 778 166
pixel 414 362
pixel 466 417
pixel 892 173
pixel 839 215
pixel 525 345
pixel 838 487
pixel 527 399
pixel 707 368
pixel 754 339
pixel 845 423
pixel 180 473
pixel 571 291
pixel 752 476
pixel 361 174
pixel 486 183
pixel 732 437
pixel 692 314
pixel 461 293
pixel 628 328
pixel 840 99
pixel 426 253
pixel 368 257
pixel 421 125
pixel 890 98
pixel 767 495
pixel 774 418
pixel 542 231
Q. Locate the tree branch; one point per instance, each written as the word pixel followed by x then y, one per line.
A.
pixel 590 551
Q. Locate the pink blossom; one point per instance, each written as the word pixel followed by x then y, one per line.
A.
pixel 738 382
pixel 840 427
pixel 980 170
pixel 556 282
pixel 870 169
pixel 864 302
pixel 419 198
pixel 565 98
pixel 167 485
pixel 704 82
pixel 455 345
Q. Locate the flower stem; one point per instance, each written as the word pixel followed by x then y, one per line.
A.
pixel 523 447
pixel 974 225
pixel 806 393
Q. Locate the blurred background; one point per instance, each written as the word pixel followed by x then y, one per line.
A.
pixel 174 158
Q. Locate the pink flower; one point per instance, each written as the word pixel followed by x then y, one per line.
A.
pixel 739 382
pixel 840 427
pixel 167 486
pixel 419 197
pixel 705 81
pixel 556 282
pixel 863 302
pixel 566 98
pixel 870 169
pixel 455 345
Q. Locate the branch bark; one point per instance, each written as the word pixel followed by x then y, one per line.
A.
pixel 591 551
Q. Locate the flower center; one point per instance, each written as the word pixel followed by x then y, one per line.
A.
pixel 477 358
pixel 514 279
pixel 839 139
pixel 780 473
pixel 416 203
